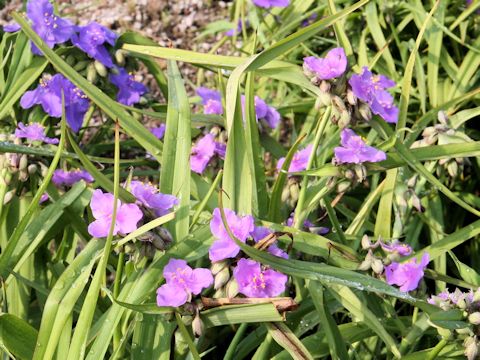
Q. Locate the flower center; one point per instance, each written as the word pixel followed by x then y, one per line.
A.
pixel 259 281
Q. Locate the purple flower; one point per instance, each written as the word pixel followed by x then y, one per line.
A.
pixel 371 89
pixel 259 233
pixel 130 90
pixel 397 247
pixel 299 161
pixel 238 30
pixel 68 178
pixel 34 132
pixel 51 28
pixel 181 282
pixel 49 95
pixel 211 100
pixel 159 131
pixel 149 196
pixel 43 198
pixel 10 28
pixel 202 152
pixel 220 149
pixel 128 215
pixel 91 39
pixel 255 282
pixel 333 65
pixel 407 275
pixel 310 20
pixel 264 112
pixel 355 151
pixel 271 3
pixel 446 297
pixel 224 247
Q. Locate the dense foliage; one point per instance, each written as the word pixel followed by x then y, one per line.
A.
pixel 312 193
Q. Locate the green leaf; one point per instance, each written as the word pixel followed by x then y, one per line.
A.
pixel 287 339
pixel 175 172
pixel 240 314
pixel 18 337
pixel 449 319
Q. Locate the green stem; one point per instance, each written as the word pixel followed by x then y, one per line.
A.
pixel 299 217
pixel 436 350
pixel 229 355
pixel 187 337
pixel 117 335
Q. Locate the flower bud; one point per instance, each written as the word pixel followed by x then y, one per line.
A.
pixel 120 57
pixel 365 112
pixel 23 163
pixel 81 65
pixel 92 73
pixel 325 86
pixel 165 235
pixel 343 186
pixel 220 293
pixel 23 175
pixel 476 295
pixel 452 168
pixel 366 244
pixel 8 197
pixel 221 278
pixel 70 60
pixel 217 267
pixel 377 266
pixel 474 318
pixel 471 347
pixel 325 98
pixel 32 169
pixel 344 119
pixel 197 326
pixel 294 189
pixel 351 98
pixel 231 288
pixel 100 68
pixel 360 172
pixel 365 264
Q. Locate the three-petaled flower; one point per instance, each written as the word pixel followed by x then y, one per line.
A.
pixel 355 151
pixel 181 282
pixel 224 246
pixel 211 101
pixel 203 151
pixel 406 275
pixel 253 281
pixel 68 178
pixel 371 89
pixel 33 132
pixel 127 216
pixel 333 65
pixel 49 95
pixel 271 3
pixel 149 196
pixel 92 38
pixel 299 160
pixel 129 90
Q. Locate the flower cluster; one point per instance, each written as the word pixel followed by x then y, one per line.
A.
pixel 148 196
pixel 404 274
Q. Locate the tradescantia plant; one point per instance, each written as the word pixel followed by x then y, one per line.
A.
pixel 312 193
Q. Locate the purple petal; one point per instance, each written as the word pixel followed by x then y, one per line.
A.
pixel 128 216
pixel 171 295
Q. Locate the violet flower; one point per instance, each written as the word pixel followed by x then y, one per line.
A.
pixel 128 215
pixel 333 65
pixel 299 161
pixel 211 101
pixel 130 90
pixel 259 233
pixel 159 131
pixel 445 299
pixel 92 38
pixel 271 3
pixel 52 29
pixel 220 149
pixel 253 281
pixel 34 132
pixel 68 178
pixel 264 112
pixel 202 153
pixel 234 31
pixel 371 89
pixel 406 275
pixel 224 247
pixel 181 282
pixel 355 151
pixel 149 196
pixel 397 247
pixel 309 20
pixel 49 95
pixel 43 198
pixel 10 28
